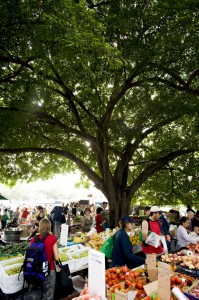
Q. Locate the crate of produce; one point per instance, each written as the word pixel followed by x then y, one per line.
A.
pixel 193 292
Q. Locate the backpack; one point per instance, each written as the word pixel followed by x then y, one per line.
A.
pixel 35 266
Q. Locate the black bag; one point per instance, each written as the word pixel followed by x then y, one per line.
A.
pixel 63 219
pixel 63 284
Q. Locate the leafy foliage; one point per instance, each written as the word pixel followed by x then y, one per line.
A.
pixel 109 87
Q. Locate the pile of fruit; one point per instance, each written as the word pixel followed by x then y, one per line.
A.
pixel 135 240
pixel 14 248
pixel 194 247
pixel 78 239
pixel 125 280
pixel 194 291
pixel 189 261
pixel 6 257
pixel 14 270
pixel 95 242
pixel 80 254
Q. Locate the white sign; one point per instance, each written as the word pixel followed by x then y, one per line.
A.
pixel 64 235
pixel 96 273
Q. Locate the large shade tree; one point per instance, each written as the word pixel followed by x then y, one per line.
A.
pixel 109 87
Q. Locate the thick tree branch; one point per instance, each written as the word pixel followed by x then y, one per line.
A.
pixel 53 121
pixel 149 171
pixel 80 164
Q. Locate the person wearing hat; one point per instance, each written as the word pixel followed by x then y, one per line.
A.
pixel 123 248
pixel 151 224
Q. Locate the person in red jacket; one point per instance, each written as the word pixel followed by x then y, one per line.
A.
pixel 152 224
pixel 98 220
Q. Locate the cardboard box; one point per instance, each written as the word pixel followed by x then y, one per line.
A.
pixel 25 230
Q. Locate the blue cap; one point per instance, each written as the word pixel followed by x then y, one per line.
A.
pixel 127 219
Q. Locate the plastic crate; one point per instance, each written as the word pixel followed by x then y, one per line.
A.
pixel 186 271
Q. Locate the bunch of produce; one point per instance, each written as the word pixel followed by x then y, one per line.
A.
pixel 181 281
pixel 6 257
pixel 191 262
pixel 194 291
pixel 16 261
pixel 14 248
pixel 78 239
pixel 194 248
pixel 14 270
pixel 95 242
pixel 80 254
pixel 124 280
pixel 171 258
pixel 188 261
pixel 135 240
pixel 63 257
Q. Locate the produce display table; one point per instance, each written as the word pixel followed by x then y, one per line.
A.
pixel 10 284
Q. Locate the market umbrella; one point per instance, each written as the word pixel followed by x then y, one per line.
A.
pixel 2 197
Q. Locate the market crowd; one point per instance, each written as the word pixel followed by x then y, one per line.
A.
pixel 155 234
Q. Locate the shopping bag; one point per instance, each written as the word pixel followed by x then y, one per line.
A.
pixel 107 247
pixel 63 284
pixel 140 235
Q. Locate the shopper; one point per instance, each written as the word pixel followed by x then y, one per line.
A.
pixel 189 208
pixel 190 216
pixel 183 238
pixel 87 221
pixel 151 224
pixel 16 215
pixel 24 215
pixel 4 219
pixel 195 223
pixel 98 220
pixel 105 215
pixel 122 246
pixel 56 217
pixel 51 249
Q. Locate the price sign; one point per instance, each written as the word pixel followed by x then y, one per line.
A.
pixel 96 273
pixel 125 296
pixel 151 266
pixel 64 235
pixel 164 281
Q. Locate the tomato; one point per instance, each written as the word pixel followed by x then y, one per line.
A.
pixel 139 285
pixel 124 269
pixel 179 280
pixel 110 282
pixel 135 274
pixel 113 270
pixel 127 282
pixel 108 275
pixel 173 279
pixel 118 286
pixel 122 277
pixel 113 276
pixel 118 271
pixel 113 282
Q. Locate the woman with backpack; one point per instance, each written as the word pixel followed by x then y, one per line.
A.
pixel 51 250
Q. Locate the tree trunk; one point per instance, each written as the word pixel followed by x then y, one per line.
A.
pixel 119 205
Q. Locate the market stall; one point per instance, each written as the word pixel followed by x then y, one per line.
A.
pixel 11 282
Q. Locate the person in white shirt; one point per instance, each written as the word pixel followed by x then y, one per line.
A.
pixel 183 238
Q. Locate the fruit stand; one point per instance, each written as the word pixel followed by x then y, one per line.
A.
pixel 10 282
